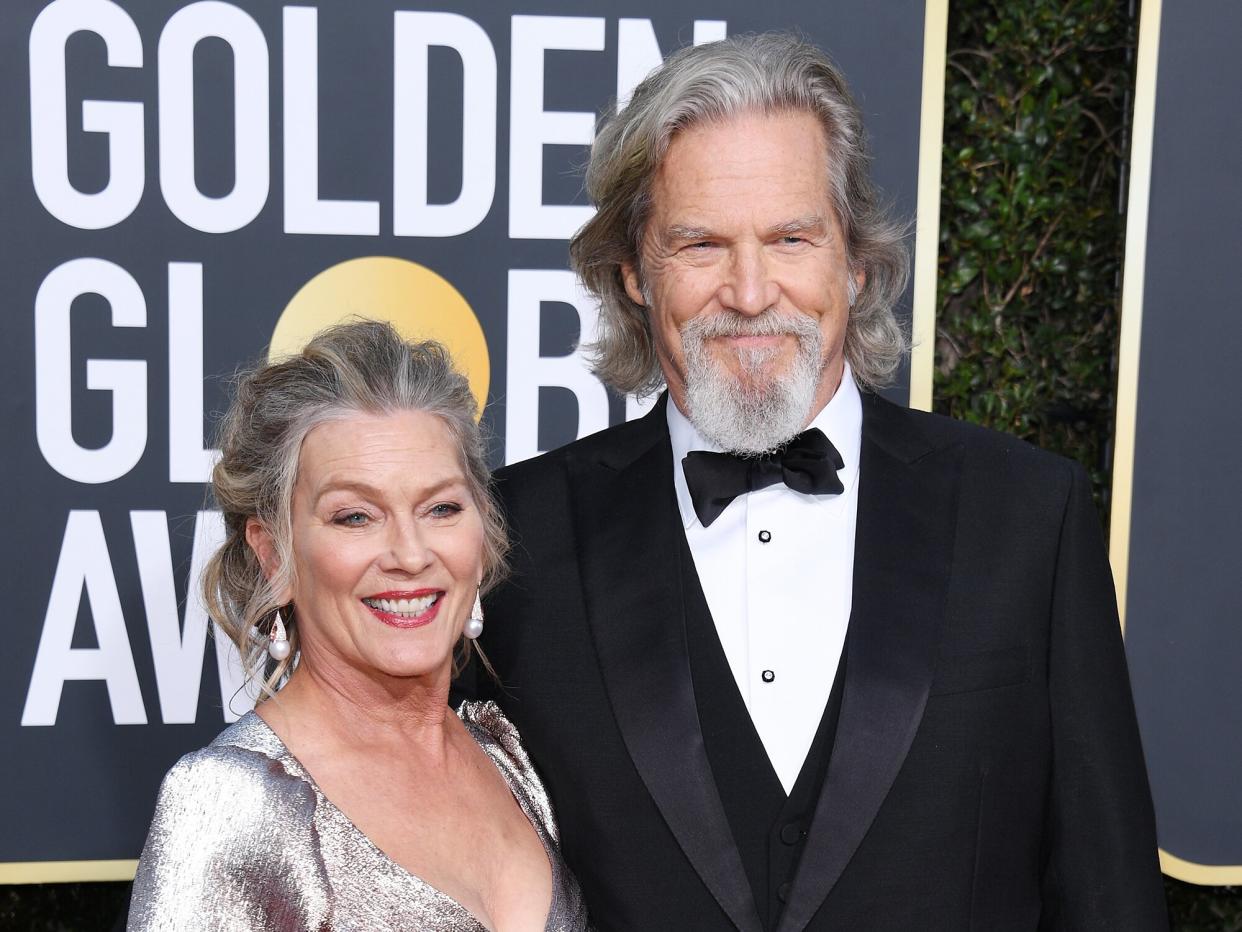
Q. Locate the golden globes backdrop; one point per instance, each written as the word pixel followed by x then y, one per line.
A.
pixel 186 183
pixel 1177 509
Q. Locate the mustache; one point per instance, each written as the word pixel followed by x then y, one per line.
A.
pixel 732 324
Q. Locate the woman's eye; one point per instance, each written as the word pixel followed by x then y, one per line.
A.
pixel 352 519
pixel 444 510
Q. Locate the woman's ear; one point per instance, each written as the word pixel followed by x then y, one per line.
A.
pixel 259 538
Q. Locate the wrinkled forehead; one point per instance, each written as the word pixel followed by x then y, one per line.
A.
pixel 772 165
pixel 748 127
pixel 349 441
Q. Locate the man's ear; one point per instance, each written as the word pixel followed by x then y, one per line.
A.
pixel 633 284
pixel 860 279
pixel 260 541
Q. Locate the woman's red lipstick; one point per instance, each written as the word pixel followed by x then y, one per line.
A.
pixel 397 616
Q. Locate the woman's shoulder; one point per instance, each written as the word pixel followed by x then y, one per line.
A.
pixel 248 742
pixel 236 778
pixel 499 738
pixel 483 717
pixel 231 810
pixel 250 733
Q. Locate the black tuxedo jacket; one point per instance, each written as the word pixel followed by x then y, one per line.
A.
pixel 987 772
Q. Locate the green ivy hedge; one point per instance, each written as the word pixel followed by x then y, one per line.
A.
pixel 1037 109
pixel 1036 101
pixel 1036 117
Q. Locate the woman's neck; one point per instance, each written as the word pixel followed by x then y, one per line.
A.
pixel 352 710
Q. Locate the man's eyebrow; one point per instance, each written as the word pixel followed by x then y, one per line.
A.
pixel 683 233
pixel 813 223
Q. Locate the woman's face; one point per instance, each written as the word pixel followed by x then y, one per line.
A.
pixel 387 546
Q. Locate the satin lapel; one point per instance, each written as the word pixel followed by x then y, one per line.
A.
pixel 627 524
pixel 902 558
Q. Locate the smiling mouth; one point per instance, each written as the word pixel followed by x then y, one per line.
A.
pixel 404 611
pixel 756 339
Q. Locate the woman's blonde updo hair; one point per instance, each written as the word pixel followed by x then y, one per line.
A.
pixel 363 367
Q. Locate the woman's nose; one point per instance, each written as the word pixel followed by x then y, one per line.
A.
pixel 407 549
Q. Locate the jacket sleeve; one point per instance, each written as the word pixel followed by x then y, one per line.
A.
pixel 231 848
pixel 1102 870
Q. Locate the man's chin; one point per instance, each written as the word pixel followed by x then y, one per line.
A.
pixel 754 380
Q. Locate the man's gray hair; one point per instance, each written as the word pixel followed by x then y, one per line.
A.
pixel 767 73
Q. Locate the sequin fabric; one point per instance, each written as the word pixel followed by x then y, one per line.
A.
pixel 244 840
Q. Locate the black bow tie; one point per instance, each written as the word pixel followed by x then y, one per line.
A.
pixel 808 464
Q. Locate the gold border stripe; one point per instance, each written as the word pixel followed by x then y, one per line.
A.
pixel 66 871
pixel 1209 875
pixel 1132 298
pixel 927 223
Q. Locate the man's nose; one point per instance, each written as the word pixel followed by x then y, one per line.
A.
pixel 408 550
pixel 749 287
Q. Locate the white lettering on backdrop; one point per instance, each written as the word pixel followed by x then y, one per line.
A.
pixel 84 567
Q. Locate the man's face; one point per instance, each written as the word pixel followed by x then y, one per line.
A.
pixel 743 245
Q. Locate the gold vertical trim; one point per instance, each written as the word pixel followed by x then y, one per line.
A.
pixel 927 223
pixel 66 871
pixel 1133 280
pixel 1142 135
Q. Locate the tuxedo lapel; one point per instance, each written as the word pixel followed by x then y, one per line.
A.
pixel 628 526
pixel 906 515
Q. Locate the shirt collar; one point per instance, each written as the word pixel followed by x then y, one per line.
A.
pixel 840 420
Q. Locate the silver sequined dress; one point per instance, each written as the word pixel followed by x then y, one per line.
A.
pixel 244 841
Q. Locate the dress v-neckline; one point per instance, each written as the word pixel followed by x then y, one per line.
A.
pixel 275 748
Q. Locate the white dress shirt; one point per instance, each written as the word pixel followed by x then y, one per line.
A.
pixel 777 569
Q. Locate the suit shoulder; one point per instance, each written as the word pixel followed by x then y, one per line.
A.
pixel 538 469
pixel 984 448
pixel 548 469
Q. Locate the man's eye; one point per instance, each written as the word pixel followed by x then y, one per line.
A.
pixel 792 240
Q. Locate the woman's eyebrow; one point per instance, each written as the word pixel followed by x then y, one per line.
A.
pixel 371 491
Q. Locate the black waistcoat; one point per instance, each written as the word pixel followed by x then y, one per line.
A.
pixel 768 827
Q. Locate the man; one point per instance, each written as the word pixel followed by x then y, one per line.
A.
pixel 789 656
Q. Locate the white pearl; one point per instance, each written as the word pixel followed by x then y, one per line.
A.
pixel 278 650
pixel 473 628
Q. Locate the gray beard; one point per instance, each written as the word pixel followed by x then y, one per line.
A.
pixel 757 412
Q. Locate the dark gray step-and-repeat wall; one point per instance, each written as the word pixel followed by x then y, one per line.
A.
pixel 185 184
pixel 188 184
pixel 1177 509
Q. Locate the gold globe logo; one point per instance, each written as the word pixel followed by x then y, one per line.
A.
pixel 419 303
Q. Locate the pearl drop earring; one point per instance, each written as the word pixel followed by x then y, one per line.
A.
pixel 278 641
pixel 474 624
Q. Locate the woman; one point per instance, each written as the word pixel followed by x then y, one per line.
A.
pixel 359 533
